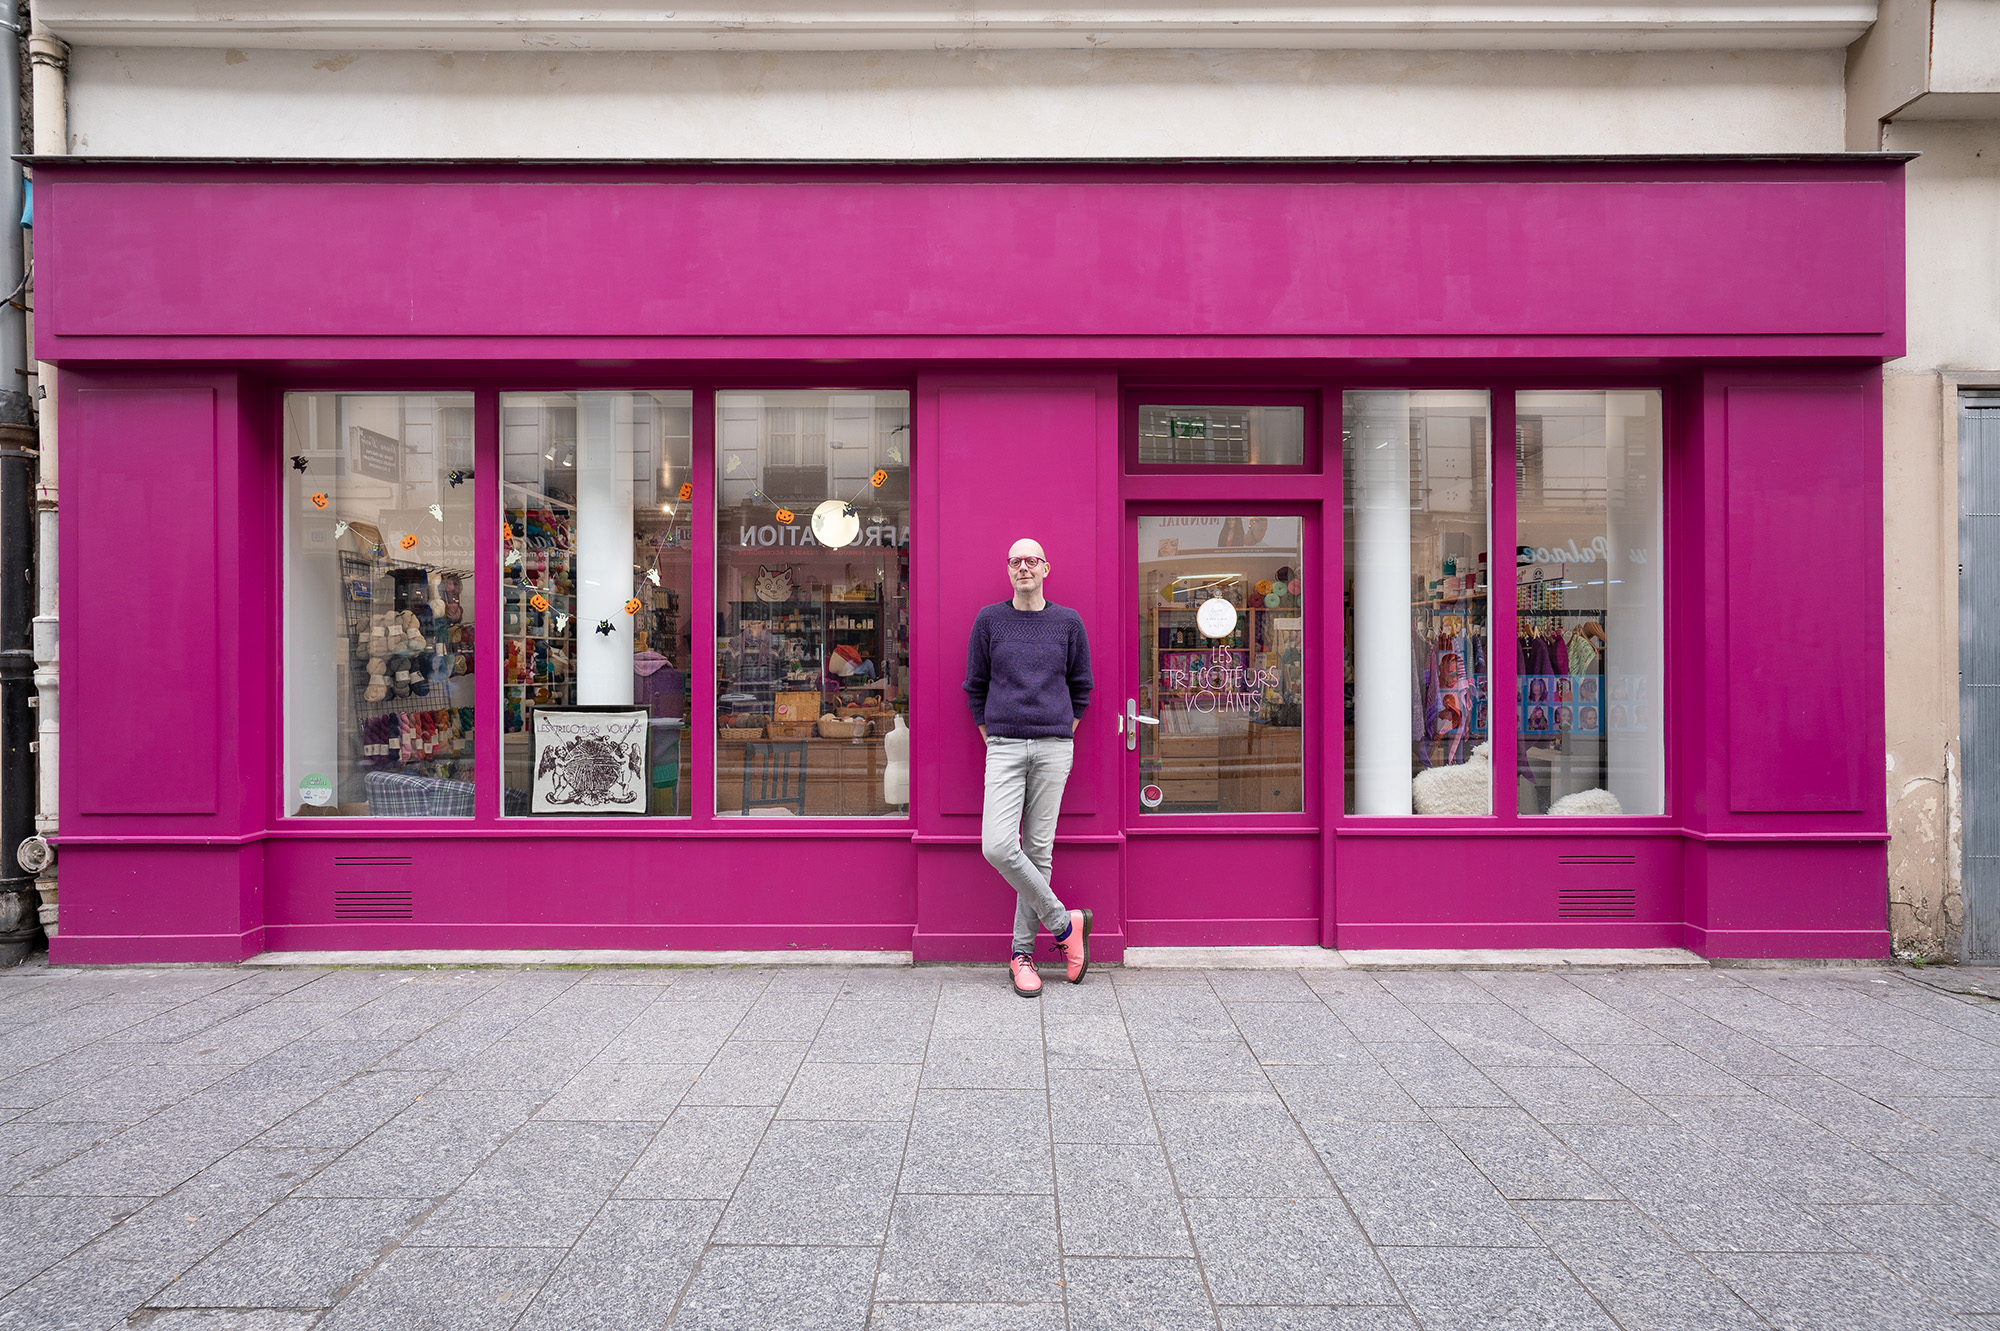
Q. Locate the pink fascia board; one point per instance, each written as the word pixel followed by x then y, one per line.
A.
pixel 1795 262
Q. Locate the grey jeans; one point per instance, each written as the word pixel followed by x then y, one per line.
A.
pixel 1017 827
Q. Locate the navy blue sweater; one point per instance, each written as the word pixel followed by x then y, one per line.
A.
pixel 1027 672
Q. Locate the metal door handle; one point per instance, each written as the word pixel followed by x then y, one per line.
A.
pixel 1133 720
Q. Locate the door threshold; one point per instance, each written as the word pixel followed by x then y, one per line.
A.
pixel 579 956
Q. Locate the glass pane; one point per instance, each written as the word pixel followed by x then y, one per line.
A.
pixel 1221 664
pixel 812 662
pixel 1587 505
pixel 378 605
pixel 1223 436
pixel 1417 672
pixel 595 553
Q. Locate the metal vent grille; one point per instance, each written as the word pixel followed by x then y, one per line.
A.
pixel 1597 859
pixel 371 861
pixel 374 903
pixel 1597 903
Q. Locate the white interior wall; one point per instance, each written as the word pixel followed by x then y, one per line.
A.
pixel 948 104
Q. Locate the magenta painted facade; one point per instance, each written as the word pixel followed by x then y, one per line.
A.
pixel 1022 308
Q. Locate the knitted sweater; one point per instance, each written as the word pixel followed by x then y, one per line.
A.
pixel 1027 672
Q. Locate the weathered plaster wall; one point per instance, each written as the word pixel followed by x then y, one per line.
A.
pixel 948 104
pixel 1953 221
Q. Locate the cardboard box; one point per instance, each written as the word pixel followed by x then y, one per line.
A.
pixel 796 706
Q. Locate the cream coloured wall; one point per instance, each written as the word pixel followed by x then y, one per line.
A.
pixel 945 104
pixel 1953 219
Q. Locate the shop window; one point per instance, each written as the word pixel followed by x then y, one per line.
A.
pixel 812 658
pixel 1588 572
pixel 1239 436
pixel 379 605
pixel 596 637
pixel 1418 670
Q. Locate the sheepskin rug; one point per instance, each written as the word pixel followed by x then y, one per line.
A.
pixel 1598 803
pixel 1466 789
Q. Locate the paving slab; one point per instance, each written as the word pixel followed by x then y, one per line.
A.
pixel 1247 1142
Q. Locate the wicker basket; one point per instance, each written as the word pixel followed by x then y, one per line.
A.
pixel 740 732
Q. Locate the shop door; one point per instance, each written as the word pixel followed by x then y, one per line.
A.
pixel 1218 706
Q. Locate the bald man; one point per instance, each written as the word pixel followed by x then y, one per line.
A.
pixel 1027 674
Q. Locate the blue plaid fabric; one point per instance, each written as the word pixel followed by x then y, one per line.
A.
pixel 400 795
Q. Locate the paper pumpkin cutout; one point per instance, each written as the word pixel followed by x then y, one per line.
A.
pixel 506 531
pixel 632 606
pixel 538 601
pixel 319 500
pixel 879 479
pixel 785 515
pixel 298 462
pixel 604 627
pixel 687 491
pixel 409 542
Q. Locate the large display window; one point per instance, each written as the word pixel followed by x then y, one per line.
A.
pixel 1418 640
pixel 1582 662
pixel 379 605
pixel 596 637
pixel 813 649
pixel 1588 603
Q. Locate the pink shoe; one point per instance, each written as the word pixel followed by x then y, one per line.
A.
pixel 1076 948
pixel 1027 981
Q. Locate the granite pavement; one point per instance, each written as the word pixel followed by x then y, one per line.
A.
pixel 229 1149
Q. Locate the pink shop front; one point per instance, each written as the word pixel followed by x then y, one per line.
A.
pixel 1474 554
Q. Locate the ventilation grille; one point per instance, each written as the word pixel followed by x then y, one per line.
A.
pixel 1597 903
pixel 1597 859
pixel 371 861
pixel 374 903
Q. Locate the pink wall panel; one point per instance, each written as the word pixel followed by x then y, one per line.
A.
pixel 1015 460
pixel 140 665
pixel 1802 569
pixel 1252 251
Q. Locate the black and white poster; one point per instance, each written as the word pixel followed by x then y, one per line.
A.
pixel 589 760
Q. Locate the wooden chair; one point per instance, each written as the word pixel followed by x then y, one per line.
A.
pixel 774 775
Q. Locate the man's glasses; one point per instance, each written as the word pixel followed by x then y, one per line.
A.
pixel 1024 561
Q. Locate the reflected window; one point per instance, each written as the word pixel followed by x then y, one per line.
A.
pixel 379 605
pixel 1589 599
pixel 1417 672
pixel 1249 436
pixel 813 647
pixel 596 639
pixel 1222 664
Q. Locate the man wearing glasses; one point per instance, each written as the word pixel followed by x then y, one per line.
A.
pixel 1027 673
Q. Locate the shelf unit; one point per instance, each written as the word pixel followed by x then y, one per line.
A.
pixel 428 734
pixel 539 659
pixel 1251 767
pixel 802 636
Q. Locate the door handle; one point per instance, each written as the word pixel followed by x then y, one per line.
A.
pixel 1133 720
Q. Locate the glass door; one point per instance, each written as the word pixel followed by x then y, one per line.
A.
pixel 1214 721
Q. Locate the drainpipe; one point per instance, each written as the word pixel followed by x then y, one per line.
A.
pixel 48 59
pixel 20 902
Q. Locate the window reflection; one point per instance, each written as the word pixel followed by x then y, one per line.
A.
pixel 1222 664
pixel 1417 668
pixel 595 551
pixel 812 658
pixel 378 605
pixel 1588 571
